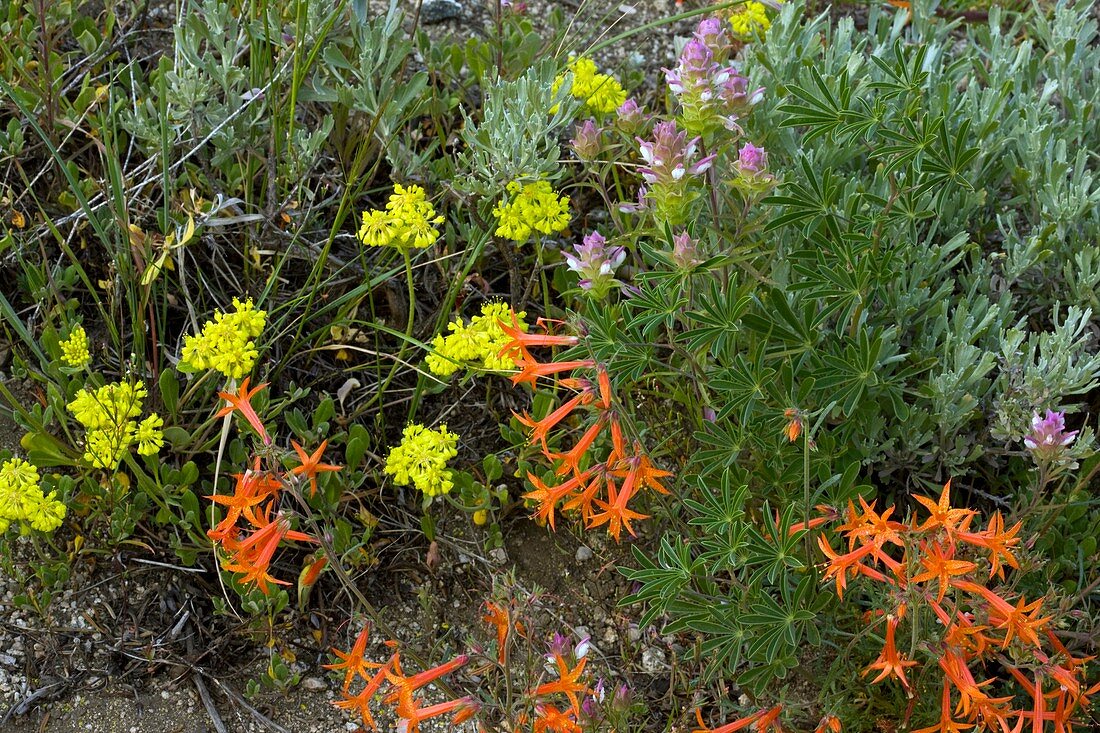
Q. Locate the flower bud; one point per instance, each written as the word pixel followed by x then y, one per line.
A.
pixel 588 141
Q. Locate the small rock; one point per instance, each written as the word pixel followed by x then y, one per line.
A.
pixel 653 660
pixel 436 11
pixel 498 556
pixel 314 683
pixel 583 554
pixel 634 634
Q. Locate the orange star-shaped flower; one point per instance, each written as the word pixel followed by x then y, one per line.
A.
pixel 568 682
pixel 939 564
pixel 311 465
pixel 941 513
pixel 353 661
pixel 890 663
pixel 241 402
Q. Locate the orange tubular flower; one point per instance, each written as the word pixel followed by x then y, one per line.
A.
pixel 568 682
pixel 730 727
pixel 870 526
pixel 552 720
pixel 890 662
pixel 939 565
pixel 840 565
pixel 942 515
pixel 570 460
pixel 501 619
pixel 770 720
pixel 958 673
pixel 548 497
pixel 241 402
pixel 353 661
pixel 540 429
pixel 1019 620
pixel 998 542
pixel 530 371
pixel 313 571
pixel 946 724
pixel 311 465
pixel 615 513
pixel 794 426
pixel 252 556
pixel 828 514
pixel 829 724
pixel 584 500
pixel 521 341
pixel 405 686
pixel 361 702
pixel 640 472
pixel 605 386
pixel 245 497
pixel 464 708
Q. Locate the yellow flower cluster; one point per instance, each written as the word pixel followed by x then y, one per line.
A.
pixel 109 416
pixel 476 344
pixel 749 17
pixel 534 207
pixel 22 500
pixel 600 92
pixel 226 343
pixel 74 350
pixel 409 220
pixel 421 459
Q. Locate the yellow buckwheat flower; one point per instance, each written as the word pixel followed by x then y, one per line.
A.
pixel 74 350
pixel 109 416
pixel 409 221
pixel 600 92
pixel 534 207
pixel 476 344
pixel 747 18
pixel 149 437
pixel 22 500
pixel 421 459
pixel 226 343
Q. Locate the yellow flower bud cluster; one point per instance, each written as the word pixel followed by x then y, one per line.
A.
pixel 74 350
pixel 22 500
pixel 476 344
pixel 408 221
pixel 109 416
pixel 226 343
pixel 421 459
pixel 534 207
pixel 600 92
pixel 749 17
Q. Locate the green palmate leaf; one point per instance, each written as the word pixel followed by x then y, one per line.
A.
pixel 773 551
pixel 744 385
pixel 655 308
pixel 663 579
pixel 720 444
pixel 723 641
pixel 715 323
pixel 811 202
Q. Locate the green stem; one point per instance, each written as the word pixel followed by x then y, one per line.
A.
pixel 408 327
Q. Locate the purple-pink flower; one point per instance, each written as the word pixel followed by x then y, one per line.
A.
pixel 1048 434
pixel 670 156
pixel 596 263
pixel 710 89
pixel 684 252
pixel 751 159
